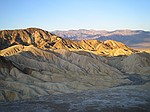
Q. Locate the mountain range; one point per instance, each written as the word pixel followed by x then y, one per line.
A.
pixel 132 38
pixel 35 63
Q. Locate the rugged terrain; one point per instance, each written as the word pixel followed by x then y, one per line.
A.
pixel 52 73
pixel 132 38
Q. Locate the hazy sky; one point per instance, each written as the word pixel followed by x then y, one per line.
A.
pixel 75 14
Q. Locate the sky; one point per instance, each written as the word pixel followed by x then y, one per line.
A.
pixel 75 14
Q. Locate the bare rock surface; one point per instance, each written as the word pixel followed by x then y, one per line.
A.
pixel 42 72
pixel 35 72
pixel 45 40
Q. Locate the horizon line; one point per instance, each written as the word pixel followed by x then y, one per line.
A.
pixel 75 29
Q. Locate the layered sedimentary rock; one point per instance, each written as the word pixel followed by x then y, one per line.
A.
pixel 34 62
pixel 45 40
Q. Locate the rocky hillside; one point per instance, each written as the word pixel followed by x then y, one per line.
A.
pixel 132 38
pixel 34 62
pixel 45 40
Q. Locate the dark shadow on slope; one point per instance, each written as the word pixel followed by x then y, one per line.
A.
pixel 136 79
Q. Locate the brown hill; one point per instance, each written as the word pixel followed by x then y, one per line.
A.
pixel 138 63
pixel 34 62
pixel 45 40
pixel 35 72
pixel 29 36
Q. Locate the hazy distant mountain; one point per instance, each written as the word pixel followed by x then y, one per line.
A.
pixel 132 38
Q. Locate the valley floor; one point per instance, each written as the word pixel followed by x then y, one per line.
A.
pixel 129 98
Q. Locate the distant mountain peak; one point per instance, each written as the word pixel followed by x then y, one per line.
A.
pixel 132 38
